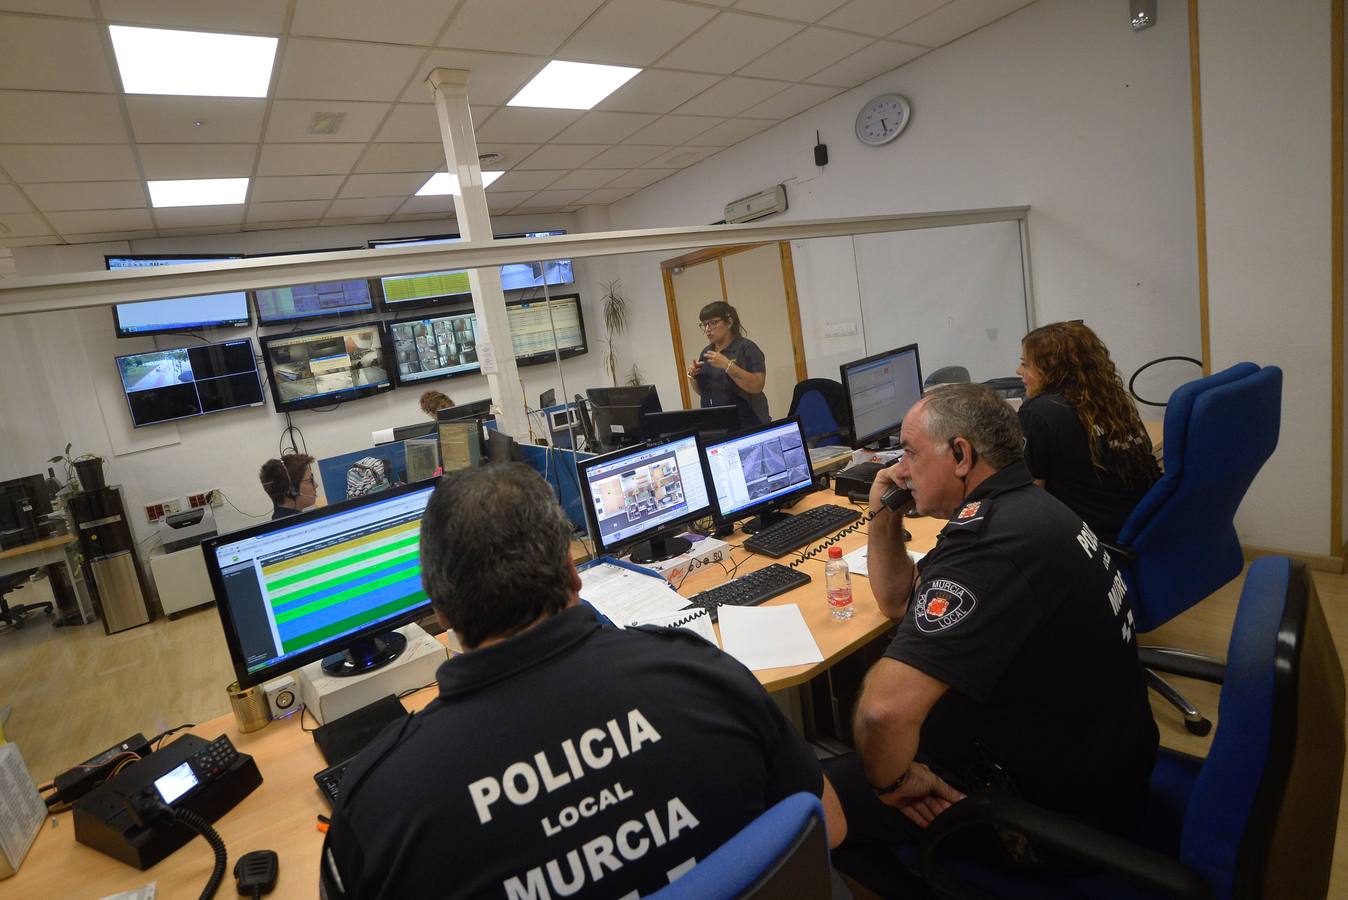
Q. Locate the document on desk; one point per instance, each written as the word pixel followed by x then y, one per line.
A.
pixel 698 621
pixel 767 637
pixel 627 595
pixel 856 560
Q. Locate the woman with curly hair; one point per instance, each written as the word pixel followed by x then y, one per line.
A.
pixel 1084 441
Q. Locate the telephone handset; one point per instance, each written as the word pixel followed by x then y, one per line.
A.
pixel 896 498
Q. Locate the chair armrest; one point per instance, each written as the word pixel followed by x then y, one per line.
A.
pixel 1120 551
pixel 1184 663
pixel 1066 836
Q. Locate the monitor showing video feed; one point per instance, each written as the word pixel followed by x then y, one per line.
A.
pixel 533 323
pixel 166 385
pixel 403 291
pixel 522 276
pixel 177 314
pixel 434 346
pixel 759 470
pixel 317 368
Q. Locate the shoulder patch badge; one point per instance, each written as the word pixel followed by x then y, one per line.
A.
pixel 943 604
pixel 969 510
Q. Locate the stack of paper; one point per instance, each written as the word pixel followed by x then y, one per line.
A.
pixel 856 560
pixel 628 596
pixel 767 637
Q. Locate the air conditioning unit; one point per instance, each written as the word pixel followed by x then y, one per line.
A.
pixel 756 206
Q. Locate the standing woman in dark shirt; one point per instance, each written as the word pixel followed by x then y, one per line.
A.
pixel 731 370
pixel 289 482
pixel 1073 390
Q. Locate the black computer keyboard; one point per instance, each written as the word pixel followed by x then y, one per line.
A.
pixel 329 781
pixel 801 529
pixel 751 589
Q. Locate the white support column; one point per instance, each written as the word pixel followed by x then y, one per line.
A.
pixel 450 89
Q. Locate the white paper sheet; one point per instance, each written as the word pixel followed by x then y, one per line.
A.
pixel 856 560
pixel 766 637
pixel 697 621
pixel 628 597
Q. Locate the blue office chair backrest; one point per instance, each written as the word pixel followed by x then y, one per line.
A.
pixel 1264 808
pixel 819 404
pixel 1219 431
pixel 782 853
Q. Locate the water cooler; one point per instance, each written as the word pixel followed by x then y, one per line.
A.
pixel 111 563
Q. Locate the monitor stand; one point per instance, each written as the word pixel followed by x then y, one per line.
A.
pixel 764 520
pixel 660 549
pixel 365 655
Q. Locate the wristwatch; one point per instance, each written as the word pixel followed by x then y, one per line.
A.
pixel 891 788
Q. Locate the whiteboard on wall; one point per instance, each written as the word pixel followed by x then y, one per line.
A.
pixel 958 293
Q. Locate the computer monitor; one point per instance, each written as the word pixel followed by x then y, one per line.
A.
pixel 533 323
pixel 759 471
pixel 142 318
pixel 431 347
pixel 709 422
pixel 642 495
pixel 316 368
pixel 477 409
pixel 330 584
pixel 616 413
pixel 460 444
pixel 407 432
pixel 880 389
pixel 167 385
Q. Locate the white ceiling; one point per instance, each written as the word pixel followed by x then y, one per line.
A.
pixel 75 151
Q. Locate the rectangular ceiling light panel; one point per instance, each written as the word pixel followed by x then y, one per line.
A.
pixel 442 183
pixel 198 192
pixel 572 85
pixel 192 63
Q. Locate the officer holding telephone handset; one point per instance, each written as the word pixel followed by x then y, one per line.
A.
pixel 1014 666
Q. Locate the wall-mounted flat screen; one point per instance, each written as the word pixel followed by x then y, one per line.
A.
pixel 532 328
pixel 166 385
pixel 403 291
pixel 522 276
pixel 317 368
pixel 312 301
pixel 146 317
pixel 434 346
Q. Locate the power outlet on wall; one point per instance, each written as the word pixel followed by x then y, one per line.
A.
pixel 215 497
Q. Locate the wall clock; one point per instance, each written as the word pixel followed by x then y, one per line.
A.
pixel 883 119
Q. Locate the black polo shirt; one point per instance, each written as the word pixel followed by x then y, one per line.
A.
pixel 1057 452
pixel 572 758
pixel 717 388
pixel 284 512
pixel 1021 612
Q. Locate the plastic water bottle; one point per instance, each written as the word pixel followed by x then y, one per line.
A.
pixel 838 580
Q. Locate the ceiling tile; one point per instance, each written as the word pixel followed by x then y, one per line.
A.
pixel 41 240
pixel 307 159
pixel 586 178
pixel 867 63
pixel 807 52
pixel 556 198
pixel 172 120
pixel 598 127
pixel 561 156
pixel 514 154
pixel 799 10
pixel 267 16
pixel 11 200
pixel 639 178
pixel 100 220
pixel 657 91
pixel 517 180
pixel 391 21
pixel 731 96
pixel 499 203
pixel 413 122
pixel 728 42
pixel 526 125
pixel 679 157
pixel 633 32
pixel 879 17
pixel 495 78
pixel 442 203
pixel 954 20
pixel 365 206
pixel 286 211
pixel 224 227
pixel 731 132
pixel 673 129
pixel 625 156
pixel 73 195
pixel 29 163
pixel 607 195
pixel 199 216
pixel 401 158
pixel 295 187
pixel 52 55
pixel 167 161
pixel 387 185
pixel 401 216
pixel 272 226
pixel 517 26
pixel 795 99
pixel 77 8
pixel 290 120
pixel 344 70
pixel 22 224
pixel 356 220
pixel 40 117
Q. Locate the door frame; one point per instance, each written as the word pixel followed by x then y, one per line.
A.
pixel 707 254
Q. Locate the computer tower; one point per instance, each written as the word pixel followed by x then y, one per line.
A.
pixel 111 563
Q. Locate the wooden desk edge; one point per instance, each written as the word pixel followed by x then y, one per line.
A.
pixel 59 540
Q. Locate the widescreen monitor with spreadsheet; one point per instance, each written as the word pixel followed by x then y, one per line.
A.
pixel 880 390
pixel 328 584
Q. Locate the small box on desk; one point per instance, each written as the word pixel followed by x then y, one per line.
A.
pixel 330 697
pixel 706 551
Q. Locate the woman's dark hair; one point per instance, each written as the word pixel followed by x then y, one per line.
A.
pixel 434 401
pixel 281 477
pixel 719 309
pixel 1074 362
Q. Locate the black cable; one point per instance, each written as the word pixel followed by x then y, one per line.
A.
pixel 203 828
pixel 850 529
pixel 305 712
pixel 168 731
pixel 1147 365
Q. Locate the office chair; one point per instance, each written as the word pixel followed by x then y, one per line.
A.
pixel 1179 544
pixel 14 614
pixel 1008 387
pixel 1256 818
pixel 783 853
pixel 947 375
pixel 822 409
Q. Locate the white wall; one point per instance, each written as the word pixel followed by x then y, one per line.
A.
pixel 58 382
pixel 1060 107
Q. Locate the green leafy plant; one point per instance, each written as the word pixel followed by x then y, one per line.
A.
pixel 72 478
pixel 615 323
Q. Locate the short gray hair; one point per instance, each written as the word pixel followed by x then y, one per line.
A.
pixel 978 415
pixel 495 547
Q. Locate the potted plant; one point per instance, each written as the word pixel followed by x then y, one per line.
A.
pixel 615 323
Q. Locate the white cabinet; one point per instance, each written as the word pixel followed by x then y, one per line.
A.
pixel 181 580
